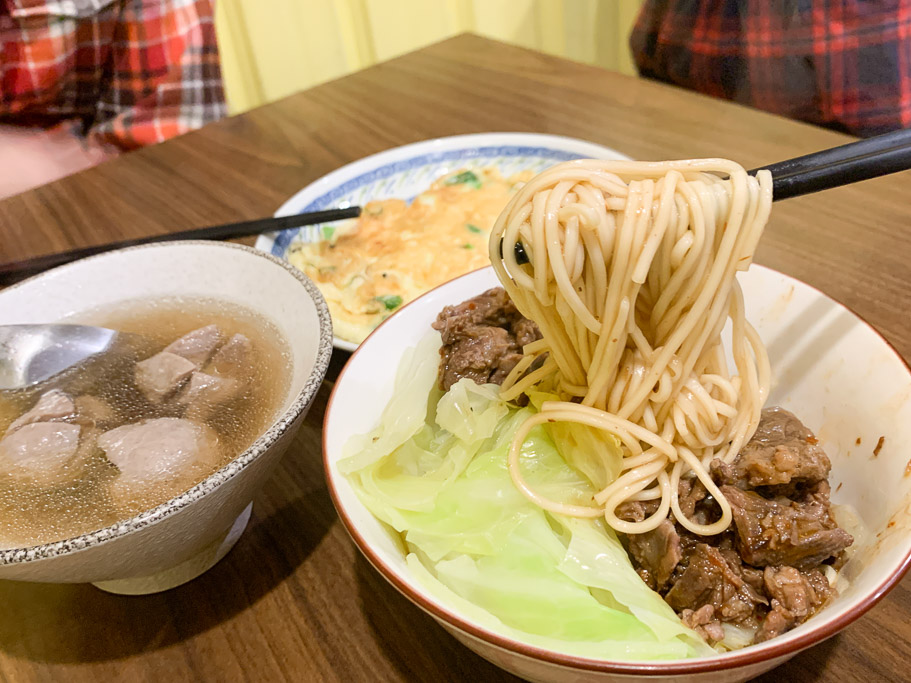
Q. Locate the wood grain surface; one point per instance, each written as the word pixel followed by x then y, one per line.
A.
pixel 294 600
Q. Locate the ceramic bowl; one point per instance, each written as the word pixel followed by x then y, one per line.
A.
pixel 404 172
pixel 179 539
pixel 830 368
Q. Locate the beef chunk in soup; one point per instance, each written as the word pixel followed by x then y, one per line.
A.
pixel 776 532
pixel 158 457
pixel 783 454
pixel 482 338
pixel 197 346
pixel 53 405
pixel 205 393
pixel 234 358
pixel 91 410
pixel 161 375
pixel 157 449
pixel 42 453
pixel 42 447
pixel 211 378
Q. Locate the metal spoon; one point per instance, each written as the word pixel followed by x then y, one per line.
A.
pixel 30 354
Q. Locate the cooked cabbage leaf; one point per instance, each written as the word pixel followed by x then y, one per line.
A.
pixel 435 471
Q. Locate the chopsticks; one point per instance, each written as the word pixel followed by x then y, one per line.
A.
pixel 19 269
pixel 843 165
pixel 828 168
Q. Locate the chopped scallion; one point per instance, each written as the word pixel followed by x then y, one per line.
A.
pixel 390 301
pixel 464 178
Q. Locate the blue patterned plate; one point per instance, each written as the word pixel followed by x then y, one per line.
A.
pixel 409 170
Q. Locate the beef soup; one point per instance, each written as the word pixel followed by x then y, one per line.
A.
pixel 130 432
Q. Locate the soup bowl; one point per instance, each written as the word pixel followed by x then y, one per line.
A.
pixel 172 543
pixel 829 367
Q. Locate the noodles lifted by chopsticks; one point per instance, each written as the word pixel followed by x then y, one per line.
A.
pixel 631 279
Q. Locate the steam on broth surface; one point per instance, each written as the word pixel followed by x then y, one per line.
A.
pixel 137 447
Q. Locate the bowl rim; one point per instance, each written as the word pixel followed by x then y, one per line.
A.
pixel 280 424
pixel 747 656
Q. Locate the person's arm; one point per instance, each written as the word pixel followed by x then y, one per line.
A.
pixel 30 157
pixel 165 75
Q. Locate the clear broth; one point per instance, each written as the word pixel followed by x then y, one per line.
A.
pixel 33 514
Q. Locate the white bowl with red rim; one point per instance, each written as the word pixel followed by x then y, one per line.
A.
pixel 830 368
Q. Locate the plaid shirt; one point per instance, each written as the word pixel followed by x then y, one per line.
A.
pixel 132 72
pixel 839 63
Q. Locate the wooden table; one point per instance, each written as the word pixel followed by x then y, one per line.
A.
pixel 294 600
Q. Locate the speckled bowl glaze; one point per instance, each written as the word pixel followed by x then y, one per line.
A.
pixel 178 540
pixel 829 367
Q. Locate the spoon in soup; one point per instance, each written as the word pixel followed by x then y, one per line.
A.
pixel 31 354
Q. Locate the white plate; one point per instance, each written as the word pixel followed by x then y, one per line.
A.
pixel 407 171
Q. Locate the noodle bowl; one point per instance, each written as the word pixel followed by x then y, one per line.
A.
pixel 631 280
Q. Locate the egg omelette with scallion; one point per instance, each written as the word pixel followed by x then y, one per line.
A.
pixel 395 251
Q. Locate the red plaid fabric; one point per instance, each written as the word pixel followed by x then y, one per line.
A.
pixel 845 64
pixel 133 72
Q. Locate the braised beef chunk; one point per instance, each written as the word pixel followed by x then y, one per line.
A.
pixel 482 338
pixel 691 493
pixel 782 454
pixel 776 622
pixel 657 553
pixel 800 593
pixel 482 354
pixel 525 331
pixel 637 510
pixel 795 597
pixel 762 572
pixel 775 532
pixel 710 579
pixel 703 622
pixel 493 308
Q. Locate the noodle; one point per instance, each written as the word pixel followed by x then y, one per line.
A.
pixel 631 280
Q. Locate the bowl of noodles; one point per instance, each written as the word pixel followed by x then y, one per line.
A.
pixel 623 450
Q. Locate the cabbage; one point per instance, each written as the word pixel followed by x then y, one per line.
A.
pixel 435 471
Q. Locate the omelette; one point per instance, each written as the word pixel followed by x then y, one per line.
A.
pixel 395 251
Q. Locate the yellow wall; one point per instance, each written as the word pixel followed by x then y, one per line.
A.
pixel 272 48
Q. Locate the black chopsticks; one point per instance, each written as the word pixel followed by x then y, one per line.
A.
pixel 20 269
pixel 843 165
pixel 828 168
